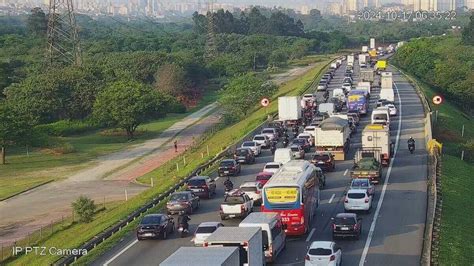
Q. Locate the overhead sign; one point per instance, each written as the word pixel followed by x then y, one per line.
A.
pixel 437 99
pixel 265 102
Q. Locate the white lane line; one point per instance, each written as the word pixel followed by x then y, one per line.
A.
pixel 382 195
pixel 332 197
pixel 217 178
pixel 121 252
pixel 345 172
pixel 310 235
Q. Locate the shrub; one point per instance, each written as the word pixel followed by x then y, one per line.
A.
pixel 85 208
pixel 468 148
pixel 66 127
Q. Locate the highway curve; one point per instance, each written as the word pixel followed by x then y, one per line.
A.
pixel 394 238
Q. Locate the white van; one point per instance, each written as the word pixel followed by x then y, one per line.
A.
pixel 283 155
pixel 381 115
pixel 272 229
pixel 327 108
pixel 339 93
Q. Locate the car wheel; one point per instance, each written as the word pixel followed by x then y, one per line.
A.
pixel 139 238
pixel 222 217
pixel 190 210
pixel 209 194
pixel 198 204
pixel 172 228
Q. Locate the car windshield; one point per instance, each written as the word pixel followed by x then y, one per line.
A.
pixel 299 141
pixel 234 199
pixel 227 163
pixel 344 221
pixel 259 138
pixel 151 220
pixel 321 157
pixel 303 137
pixel 196 182
pixel 241 152
pixel 322 82
pixel 179 197
pixel 248 189
pixel 320 252
pixel 268 131
pixel 272 166
pixel 360 183
pixel 356 195
pixel 206 229
pixel 248 144
pixel 295 149
pixel 263 177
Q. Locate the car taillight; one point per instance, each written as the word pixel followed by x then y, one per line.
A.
pixel 332 258
pixel 366 200
pixel 307 257
pixel 346 200
pixel 257 192
pixel 205 186
pixel 334 227
pixel 356 226
pixel 242 208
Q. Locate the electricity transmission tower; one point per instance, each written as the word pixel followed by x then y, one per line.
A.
pixel 63 40
pixel 211 49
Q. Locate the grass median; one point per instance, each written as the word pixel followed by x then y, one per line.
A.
pixel 167 175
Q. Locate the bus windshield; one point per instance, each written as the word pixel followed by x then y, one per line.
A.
pixel 282 197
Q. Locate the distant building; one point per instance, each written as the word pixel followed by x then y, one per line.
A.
pixel 469 4
pixel 334 9
pixel 305 10
pixel 350 6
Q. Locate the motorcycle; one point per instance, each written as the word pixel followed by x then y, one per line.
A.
pixel 411 148
pixel 183 230
pixel 273 147
pixel 285 142
pixel 228 187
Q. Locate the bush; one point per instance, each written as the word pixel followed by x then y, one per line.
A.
pixel 468 148
pixel 66 127
pixel 85 208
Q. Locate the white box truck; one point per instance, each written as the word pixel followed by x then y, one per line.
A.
pixel 328 108
pixel 289 109
pixel 378 137
pixel 350 60
pixel 386 80
pixel 247 239
pixel 363 60
pixel 364 85
pixel 381 116
pixel 367 75
pixel 201 256
pixel 365 49
pixel 387 94
pixel 333 135
pixel 372 43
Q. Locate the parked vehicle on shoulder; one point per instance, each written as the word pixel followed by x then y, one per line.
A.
pixel 358 200
pixel 253 190
pixel 202 186
pixel 228 167
pixel 155 226
pixel 244 155
pixel 324 160
pixel 182 201
pixel 236 204
pixel 346 225
pixel 325 253
pixel 272 167
pixel 363 183
pixel 254 146
pixel 298 151
pixel 262 140
pixel 203 231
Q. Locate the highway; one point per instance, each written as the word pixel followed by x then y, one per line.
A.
pixel 392 233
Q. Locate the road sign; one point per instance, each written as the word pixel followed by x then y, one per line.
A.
pixel 437 99
pixel 265 102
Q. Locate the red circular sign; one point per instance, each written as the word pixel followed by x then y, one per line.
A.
pixel 265 102
pixel 437 99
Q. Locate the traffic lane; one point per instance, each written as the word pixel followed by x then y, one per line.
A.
pixel 400 227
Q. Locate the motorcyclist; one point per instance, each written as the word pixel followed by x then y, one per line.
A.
pixel 273 147
pixel 183 220
pixel 228 184
pixel 286 140
pixel 411 143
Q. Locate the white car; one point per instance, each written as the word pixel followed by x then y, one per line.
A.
pixel 363 183
pixel 203 231
pixel 309 97
pixel 253 190
pixel 346 87
pixel 271 133
pixel 307 136
pixel 358 200
pixel 272 167
pixel 392 109
pixel 262 140
pixel 252 145
pixel 325 253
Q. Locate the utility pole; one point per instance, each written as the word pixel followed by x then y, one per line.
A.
pixel 63 40
pixel 211 49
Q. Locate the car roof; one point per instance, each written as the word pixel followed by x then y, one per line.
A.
pixel 154 215
pixel 266 128
pixel 346 215
pixel 228 160
pixel 182 192
pixel 250 141
pixel 321 244
pixel 260 135
pixel 295 146
pixel 304 134
pixel 265 173
pixel 236 192
pixel 361 179
pixel 249 184
pixel 356 190
pixel 273 163
pixel 243 148
pixel 209 224
pixel 198 177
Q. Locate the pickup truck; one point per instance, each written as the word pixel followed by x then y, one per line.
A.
pixel 367 164
pixel 236 204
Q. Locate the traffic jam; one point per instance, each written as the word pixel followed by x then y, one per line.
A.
pixel 287 165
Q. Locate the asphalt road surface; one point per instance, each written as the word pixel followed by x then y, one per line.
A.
pixel 392 233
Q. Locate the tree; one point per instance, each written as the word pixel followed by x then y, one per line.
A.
pixel 171 79
pixel 37 22
pixel 468 32
pixel 127 104
pixel 85 208
pixel 200 23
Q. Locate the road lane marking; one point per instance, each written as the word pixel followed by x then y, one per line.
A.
pixel 345 172
pixel 382 195
pixel 217 178
pixel 310 235
pixel 332 197
pixel 121 252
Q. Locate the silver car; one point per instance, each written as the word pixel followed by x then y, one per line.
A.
pixel 297 151
pixel 261 139
pixel 252 145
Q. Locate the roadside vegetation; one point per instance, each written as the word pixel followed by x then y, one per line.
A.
pixel 448 69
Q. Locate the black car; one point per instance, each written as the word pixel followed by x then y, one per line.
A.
pixel 155 226
pixel 182 201
pixel 338 105
pixel 228 167
pixel 355 115
pixel 303 143
pixel 346 224
pixel 202 186
pixel 244 155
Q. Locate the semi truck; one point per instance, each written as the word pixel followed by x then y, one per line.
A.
pixel 386 91
pixel 367 165
pixel 363 60
pixel 201 256
pixel 378 137
pixel 247 239
pixel 289 109
pixel 333 135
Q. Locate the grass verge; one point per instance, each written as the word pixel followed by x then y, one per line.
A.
pixel 166 175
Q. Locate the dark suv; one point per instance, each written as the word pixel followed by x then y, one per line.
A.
pixel 324 160
pixel 202 186
pixel 183 201
pixel 155 226
pixel 346 224
pixel 228 167
pixel 244 155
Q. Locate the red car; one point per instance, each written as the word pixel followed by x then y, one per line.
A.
pixel 263 177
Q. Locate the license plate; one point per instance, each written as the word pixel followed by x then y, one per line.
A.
pixel 226 172
pixel 148 234
pixel 320 162
pixel 345 228
pixel 232 216
pixel 197 190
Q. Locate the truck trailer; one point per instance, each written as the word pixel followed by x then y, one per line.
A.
pixel 333 135
pixel 289 109
pixel 350 60
pixel 201 256
pixel 378 137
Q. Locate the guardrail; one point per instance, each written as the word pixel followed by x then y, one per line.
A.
pixel 96 240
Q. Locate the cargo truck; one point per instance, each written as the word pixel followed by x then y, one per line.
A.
pixel 289 109
pixel 367 75
pixel 381 66
pixel 363 60
pixel 365 48
pixel 201 256
pixel 247 239
pixel 350 60
pixel 367 165
pixel 378 137
pixel 387 80
pixel 333 135
pixel 364 85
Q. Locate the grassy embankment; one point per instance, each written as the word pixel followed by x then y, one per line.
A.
pixel 166 175
pixel 41 166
